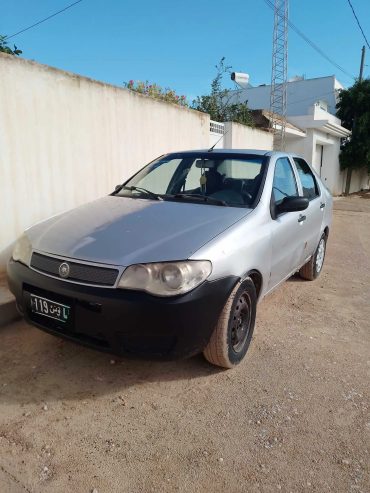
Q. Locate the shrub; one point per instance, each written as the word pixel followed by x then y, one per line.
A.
pixel 155 91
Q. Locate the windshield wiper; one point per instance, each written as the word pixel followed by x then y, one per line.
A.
pixel 143 190
pixel 197 196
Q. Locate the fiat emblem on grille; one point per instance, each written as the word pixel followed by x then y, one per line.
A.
pixel 64 270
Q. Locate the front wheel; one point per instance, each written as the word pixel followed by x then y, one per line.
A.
pixel 312 269
pixel 233 333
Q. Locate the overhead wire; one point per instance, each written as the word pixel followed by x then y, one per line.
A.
pixel 308 99
pixel 358 22
pixel 313 45
pixel 43 20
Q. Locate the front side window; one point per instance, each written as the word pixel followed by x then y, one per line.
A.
pixel 285 184
pixel 309 185
pixel 233 180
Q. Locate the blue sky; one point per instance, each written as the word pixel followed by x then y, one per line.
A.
pixel 177 44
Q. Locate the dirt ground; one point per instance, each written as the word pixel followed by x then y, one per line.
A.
pixel 294 417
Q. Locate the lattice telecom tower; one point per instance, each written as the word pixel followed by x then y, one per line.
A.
pixel 278 98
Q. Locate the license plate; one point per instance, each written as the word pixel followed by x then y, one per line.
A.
pixel 49 308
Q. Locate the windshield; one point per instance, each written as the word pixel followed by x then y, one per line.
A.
pixel 215 179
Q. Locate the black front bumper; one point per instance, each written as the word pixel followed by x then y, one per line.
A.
pixel 125 322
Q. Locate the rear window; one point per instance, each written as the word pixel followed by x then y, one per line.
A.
pixel 241 168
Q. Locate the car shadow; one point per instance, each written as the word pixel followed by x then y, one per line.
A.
pixel 40 368
pixel 295 278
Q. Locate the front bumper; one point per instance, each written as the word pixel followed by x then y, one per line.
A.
pixel 125 322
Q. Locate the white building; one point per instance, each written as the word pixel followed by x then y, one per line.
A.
pixel 315 133
pixel 301 94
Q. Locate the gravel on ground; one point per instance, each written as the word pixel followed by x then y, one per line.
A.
pixel 294 417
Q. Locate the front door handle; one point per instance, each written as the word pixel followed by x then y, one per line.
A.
pixel 322 205
pixel 301 218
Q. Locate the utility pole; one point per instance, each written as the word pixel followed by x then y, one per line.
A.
pixel 360 79
pixel 362 64
pixel 279 74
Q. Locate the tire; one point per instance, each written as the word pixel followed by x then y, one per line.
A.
pixel 313 268
pixel 233 333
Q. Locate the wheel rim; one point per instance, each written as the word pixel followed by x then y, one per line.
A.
pixel 320 255
pixel 241 321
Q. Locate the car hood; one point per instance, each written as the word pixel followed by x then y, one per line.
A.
pixel 124 231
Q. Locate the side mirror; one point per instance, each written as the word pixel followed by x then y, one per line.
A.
pixel 292 204
pixel 117 187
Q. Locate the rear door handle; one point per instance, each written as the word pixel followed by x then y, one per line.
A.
pixel 301 218
pixel 322 205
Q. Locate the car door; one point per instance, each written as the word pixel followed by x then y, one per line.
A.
pixel 287 238
pixel 312 225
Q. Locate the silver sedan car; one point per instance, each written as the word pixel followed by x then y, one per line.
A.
pixel 174 261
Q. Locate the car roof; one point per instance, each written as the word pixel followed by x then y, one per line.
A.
pixel 226 151
pixel 256 152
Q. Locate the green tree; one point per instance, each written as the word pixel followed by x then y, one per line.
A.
pixel 353 108
pixel 5 48
pixel 218 103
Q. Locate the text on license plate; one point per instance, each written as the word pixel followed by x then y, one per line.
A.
pixel 50 308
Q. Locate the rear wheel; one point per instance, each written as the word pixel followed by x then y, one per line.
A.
pixel 233 333
pixel 312 269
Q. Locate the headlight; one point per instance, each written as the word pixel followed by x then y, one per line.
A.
pixel 167 278
pixel 22 250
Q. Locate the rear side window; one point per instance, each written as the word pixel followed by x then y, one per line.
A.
pixel 285 184
pixel 309 184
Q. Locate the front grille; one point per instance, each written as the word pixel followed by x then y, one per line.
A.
pixel 88 274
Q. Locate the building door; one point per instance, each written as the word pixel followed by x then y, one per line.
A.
pixel 323 165
pixel 319 159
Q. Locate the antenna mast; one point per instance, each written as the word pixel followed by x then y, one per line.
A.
pixel 278 97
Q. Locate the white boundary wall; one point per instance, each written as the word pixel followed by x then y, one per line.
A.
pixel 239 136
pixel 360 180
pixel 66 140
